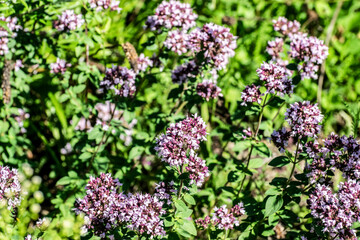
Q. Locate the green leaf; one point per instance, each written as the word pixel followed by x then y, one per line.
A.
pixel 79 88
pixel 63 181
pixel 136 151
pixel 292 66
pixel 273 204
pixel 279 161
pixel 189 199
pixel 180 205
pixel 189 227
pixel 256 162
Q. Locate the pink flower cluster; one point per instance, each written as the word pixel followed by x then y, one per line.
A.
pixel 163 191
pixel 216 43
pixel 11 23
pixel 68 20
pixel 337 212
pixel 286 27
pixel 105 209
pixel 304 119
pixel 59 66
pixel 99 5
pixel 10 187
pixel 172 14
pixel 336 152
pixel 143 63
pixel 251 94
pixel 177 41
pixel 223 218
pixel 177 146
pixel 311 51
pixel 121 80
pixel 276 78
pixel 208 89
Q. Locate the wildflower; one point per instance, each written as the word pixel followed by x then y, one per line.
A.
pixel 286 27
pixel 281 139
pixel 10 187
pixel 181 137
pixel 99 5
pixel 172 14
pixel 59 66
pixel 251 94
pixel 177 41
pixel 274 48
pixel 143 63
pixel 68 20
pixel 304 119
pixel 276 78
pixel 121 80
pixel 163 191
pixel 197 169
pixel 20 117
pixel 183 72
pixel 208 89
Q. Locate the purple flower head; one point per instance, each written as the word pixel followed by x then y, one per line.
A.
pixel 281 139
pixel 20 118
pixel 177 41
pixel 251 94
pixel 304 119
pixel 121 80
pixel 10 187
pixel 183 72
pixel 143 63
pixel 174 146
pixel 286 27
pixel 217 43
pixel 59 66
pixel 309 50
pixel 163 191
pixel 102 204
pixel 197 169
pixel 68 20
pixel 208 89
pixel 336 212
pixel 11 23
pixel 274 48
pixel 172 14
pixel 223 218
pixel 276 78
pixel 99 5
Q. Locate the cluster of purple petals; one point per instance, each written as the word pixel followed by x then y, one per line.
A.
pixel 276 78
pixel 99 5
pixel 247 133
pixel 183 72
pixel 68 20
pixel 59 66
pixel 177 147
pixel 164 191
pixel 10 187
pixel 304 119
pixel 143 63
pixel 105 209
pixel 281 139
pixel 177 41
pixel 197 169
pixel 121 80
pixel 208 89
pixel 286 27
pixel 216 42
pixel 274 48
pixel 172 14
pixel 311 51
pixel 251 94
pixel 173 147
pixel 20 117
pixel 337 212
pixel 337 152
pixel 11 23
pixel 223 218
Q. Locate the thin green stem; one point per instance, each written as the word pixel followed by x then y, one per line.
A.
pixel 294 163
